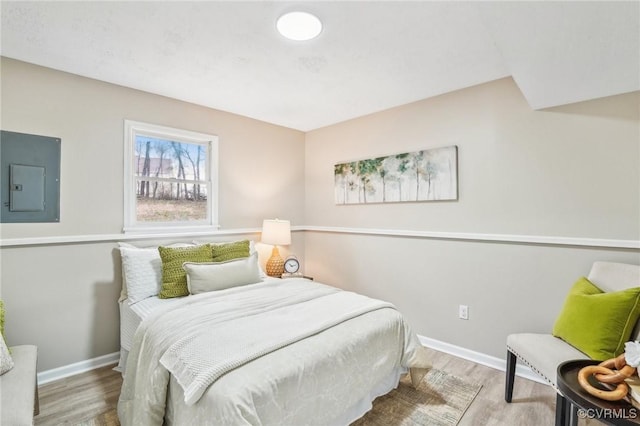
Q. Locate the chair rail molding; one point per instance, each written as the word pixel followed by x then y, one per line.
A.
pixel 107 238
pixel 480 237
pixel 436 235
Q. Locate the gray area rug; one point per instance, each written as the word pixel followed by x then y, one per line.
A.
pixel 441 399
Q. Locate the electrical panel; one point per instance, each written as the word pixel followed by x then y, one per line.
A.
pixel 30 178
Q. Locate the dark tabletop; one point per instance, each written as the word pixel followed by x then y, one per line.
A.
pixel 611 412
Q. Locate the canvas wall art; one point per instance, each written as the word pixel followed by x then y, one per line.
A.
pixel 427 175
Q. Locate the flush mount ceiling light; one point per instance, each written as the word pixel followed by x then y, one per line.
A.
pixel 299 26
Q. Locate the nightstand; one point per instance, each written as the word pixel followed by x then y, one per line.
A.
pixel 296 276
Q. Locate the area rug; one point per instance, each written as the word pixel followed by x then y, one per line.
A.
pixel 441 399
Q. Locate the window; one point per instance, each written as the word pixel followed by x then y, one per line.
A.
pixel 170 178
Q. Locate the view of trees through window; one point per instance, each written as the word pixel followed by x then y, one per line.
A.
pixel 171 180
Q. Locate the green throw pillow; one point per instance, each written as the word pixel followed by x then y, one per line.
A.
pixel 595 322
pixel 174 278
pixel 229 251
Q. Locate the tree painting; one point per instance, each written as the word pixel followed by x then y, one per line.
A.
pixel 427 175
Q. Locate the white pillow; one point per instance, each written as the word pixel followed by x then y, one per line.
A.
pixel 252 250
pixel 141 271
pixel 212 276
pixel 6 362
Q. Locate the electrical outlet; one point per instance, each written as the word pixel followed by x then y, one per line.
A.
pixel 463 312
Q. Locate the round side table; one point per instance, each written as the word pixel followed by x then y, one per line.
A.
pixel 576 403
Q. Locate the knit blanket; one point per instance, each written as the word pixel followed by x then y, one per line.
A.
pixel 223 344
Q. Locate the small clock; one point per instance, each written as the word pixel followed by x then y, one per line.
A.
pixel 292 265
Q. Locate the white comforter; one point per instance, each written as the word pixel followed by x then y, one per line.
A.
pixel 289 352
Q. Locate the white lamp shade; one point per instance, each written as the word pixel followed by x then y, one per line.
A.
pixel 276 232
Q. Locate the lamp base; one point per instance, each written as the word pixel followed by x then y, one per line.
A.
pixel 275 264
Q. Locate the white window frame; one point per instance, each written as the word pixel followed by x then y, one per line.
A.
pixel 131 225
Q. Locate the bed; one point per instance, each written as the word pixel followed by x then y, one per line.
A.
pixel 272 352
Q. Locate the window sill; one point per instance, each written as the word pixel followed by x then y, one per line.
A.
pixel 168 229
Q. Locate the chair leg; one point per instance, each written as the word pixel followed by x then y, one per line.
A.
pixel 510 375
pixel 36 403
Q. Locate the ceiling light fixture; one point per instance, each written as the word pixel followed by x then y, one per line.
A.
pixel 299 26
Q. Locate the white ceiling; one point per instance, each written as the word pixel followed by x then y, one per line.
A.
pixel 370 56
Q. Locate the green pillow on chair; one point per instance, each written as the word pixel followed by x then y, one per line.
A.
pixel 595 322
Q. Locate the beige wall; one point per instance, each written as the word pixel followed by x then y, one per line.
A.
pixel 571 171
pixel 62 297
pixel 261 165
pixel 568 172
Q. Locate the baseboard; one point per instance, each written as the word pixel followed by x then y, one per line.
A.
pixel 77 368
pixel 480 358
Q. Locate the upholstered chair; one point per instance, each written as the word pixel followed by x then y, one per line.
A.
pixel 544 352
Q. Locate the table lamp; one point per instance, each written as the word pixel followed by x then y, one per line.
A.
pixel 277 233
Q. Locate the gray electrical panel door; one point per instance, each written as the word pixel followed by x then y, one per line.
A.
pixel 30 178
pixel 26 188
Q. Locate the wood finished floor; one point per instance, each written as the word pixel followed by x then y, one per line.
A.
pixel 78 399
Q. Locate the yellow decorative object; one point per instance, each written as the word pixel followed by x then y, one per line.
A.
pixel 613 372
pixel 275 264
